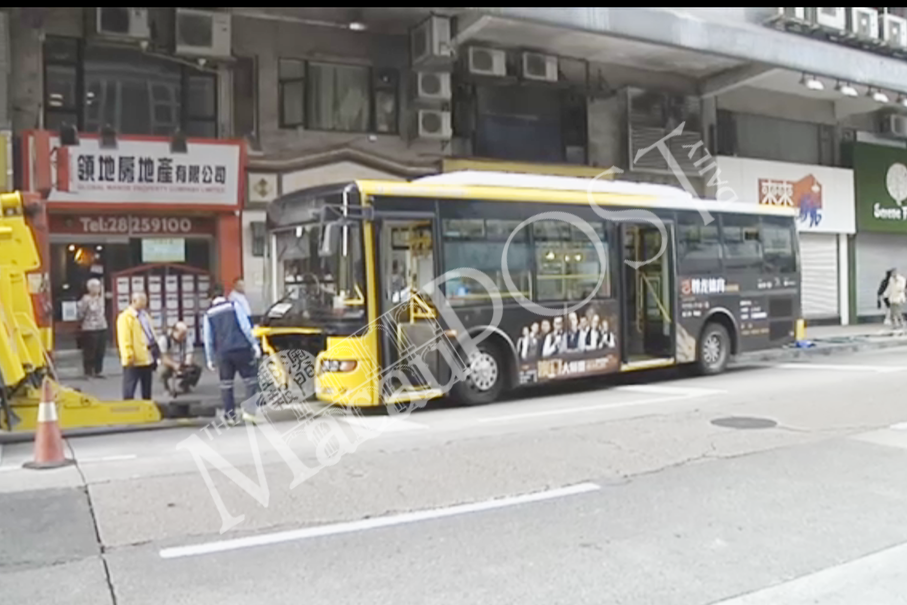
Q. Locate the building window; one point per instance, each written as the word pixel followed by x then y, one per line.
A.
pixel 200 103
pixel 245 89
pixel 61 82
pixel 291 90
pixel 259 238
pixel 334 97
pixel 530 124
pixel 776 139
pixel 137 94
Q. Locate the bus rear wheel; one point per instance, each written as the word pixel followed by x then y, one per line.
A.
pixel 485 376
pixel 714 349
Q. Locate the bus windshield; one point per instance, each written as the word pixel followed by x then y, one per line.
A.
pixel 317 282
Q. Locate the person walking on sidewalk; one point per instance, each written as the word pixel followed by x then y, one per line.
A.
pixel 93 336
pixel 230 348
pixel 138 347
pixel 896 294
pixel 880 297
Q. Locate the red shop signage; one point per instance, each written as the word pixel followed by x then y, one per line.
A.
pixel 120 224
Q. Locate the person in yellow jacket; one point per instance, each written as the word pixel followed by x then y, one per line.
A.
pixel 138 347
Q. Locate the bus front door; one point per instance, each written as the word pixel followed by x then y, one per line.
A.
pixel 648 304
pixel 409 320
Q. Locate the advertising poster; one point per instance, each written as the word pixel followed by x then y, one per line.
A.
pixel 582 343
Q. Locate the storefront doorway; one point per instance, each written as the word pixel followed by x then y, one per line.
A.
pixel 76 258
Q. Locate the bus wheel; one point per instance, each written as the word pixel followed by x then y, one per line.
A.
pixel 714 349
pixel 485 377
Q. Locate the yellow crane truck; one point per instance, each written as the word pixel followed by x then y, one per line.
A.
pixel 24 358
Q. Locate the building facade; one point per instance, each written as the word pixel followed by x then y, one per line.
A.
pixel 679 96
pixel 880 244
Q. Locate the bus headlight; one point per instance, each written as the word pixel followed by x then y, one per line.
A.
pixel 336 365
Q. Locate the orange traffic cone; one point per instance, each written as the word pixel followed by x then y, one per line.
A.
pixel 48 437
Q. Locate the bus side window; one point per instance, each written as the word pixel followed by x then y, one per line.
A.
pixel 568 266
pixel 742 243
pixel 479 244
pixel 698 245
pixel 778 243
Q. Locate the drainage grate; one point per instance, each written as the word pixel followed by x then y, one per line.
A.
pixel 744 422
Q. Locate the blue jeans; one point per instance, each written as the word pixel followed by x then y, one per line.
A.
pixel 228 365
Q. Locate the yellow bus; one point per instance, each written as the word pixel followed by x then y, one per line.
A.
pixel 470 284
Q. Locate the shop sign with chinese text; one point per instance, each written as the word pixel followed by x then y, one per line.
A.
pixel 822 197
pixel 147 172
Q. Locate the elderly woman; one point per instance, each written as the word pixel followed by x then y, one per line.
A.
pixel 94 329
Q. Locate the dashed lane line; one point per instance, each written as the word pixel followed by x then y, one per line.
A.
pixel 373 523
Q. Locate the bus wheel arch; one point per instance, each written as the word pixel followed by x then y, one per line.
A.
pixel 496 350
pixel 717 342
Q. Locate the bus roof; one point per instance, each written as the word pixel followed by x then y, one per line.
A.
pixel 559 189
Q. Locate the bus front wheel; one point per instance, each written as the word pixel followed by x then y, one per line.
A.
pixel 714 349
pixel 485 376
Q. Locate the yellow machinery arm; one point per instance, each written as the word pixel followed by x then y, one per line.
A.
pixel 23 359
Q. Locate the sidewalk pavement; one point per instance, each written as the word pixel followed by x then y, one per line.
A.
pixel 68 365
pixel 835 340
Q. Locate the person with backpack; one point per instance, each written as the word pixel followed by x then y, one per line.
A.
pixel 230 349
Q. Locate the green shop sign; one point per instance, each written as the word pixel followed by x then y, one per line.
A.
pixel 880 178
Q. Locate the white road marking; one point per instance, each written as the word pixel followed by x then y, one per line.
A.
pixel 365 524
pixel 109 458
pixel 875 578
pixel 657 389
pixel 837 368
pixel 900 426
pixel 588 408
pixel 385 425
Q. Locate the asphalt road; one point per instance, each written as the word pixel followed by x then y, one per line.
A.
pixel 768 485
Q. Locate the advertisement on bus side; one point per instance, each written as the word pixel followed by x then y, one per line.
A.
pixel 579 343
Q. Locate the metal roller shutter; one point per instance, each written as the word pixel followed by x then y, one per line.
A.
pixel 819 275
pixel 876 254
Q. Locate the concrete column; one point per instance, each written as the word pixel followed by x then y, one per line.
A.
pixel 709 117
pixel 5 69
pixel 229 248
pixel 843 279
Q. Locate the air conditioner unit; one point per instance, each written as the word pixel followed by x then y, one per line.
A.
pixel 792 14
pixel 863 23
pixel 434 124
pixel 537 66
pixel 894 125
pixel 125 23
pixel 431 86
pixel 487 61
pixel 832 18
pixel 893 30
pixel 201 33
pixel 430 41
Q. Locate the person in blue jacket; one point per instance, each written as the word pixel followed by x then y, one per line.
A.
pixel 231 348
